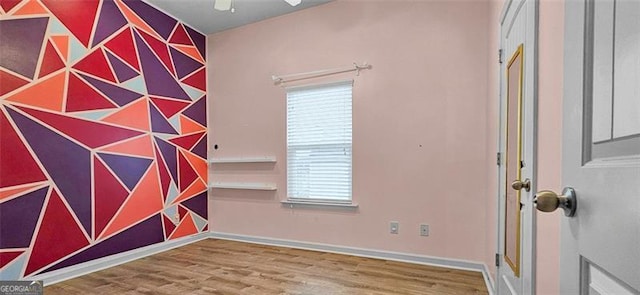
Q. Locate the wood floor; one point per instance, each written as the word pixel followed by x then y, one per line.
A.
pixel 226 267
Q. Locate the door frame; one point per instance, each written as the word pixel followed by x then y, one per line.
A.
pixel 528 242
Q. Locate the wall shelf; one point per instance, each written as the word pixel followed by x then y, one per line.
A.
pixel 263 186
pixel 231 160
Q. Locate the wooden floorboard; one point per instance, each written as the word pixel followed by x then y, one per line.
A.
pixel 226 267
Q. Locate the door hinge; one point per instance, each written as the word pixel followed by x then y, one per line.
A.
pixel 497 259
pixel 499 55
pixel 498 159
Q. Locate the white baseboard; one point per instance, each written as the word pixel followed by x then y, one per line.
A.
pixel 488 280
pixel 71 272
pixel 121 258
pixel 369 253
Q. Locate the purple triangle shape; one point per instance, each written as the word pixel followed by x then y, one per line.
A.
pixel 198 111
pixel 68 164
pixel 145 233
pixel 159 81
pixel 200 148
pixel 158 123
pixel 110 20
pixel 24 38
pixel 158 20
pixel 184 64
pixel 119 95
pixel 168 152
pixel 198 204
pixel 123 71
pixel 129 169
pixel 199 40
pixel 19 217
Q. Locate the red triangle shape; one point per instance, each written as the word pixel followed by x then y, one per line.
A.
pixel 9 82
pixel 51 61
pixel 160 49
pixel 186 173
pixel 68 12
pixel 109 196
pixel 9 4
pixel 197 80
pixel 122 46
pixel 169 107
pixel 6 257
pixel 96 64
pixel 92 134
pixel 165 178
pixel 17 164
pixel 185 228
pixel 168 226
pixel 57 223
pixel 81 97
pixel 182 212
pixel 188 141
pixel 180 36
pixel 143 202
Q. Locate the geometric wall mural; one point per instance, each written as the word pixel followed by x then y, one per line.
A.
pixel 103 131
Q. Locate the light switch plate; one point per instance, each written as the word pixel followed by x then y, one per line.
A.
pixel 394 227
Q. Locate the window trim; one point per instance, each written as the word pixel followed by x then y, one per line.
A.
pixel 296 202
pixel 319 202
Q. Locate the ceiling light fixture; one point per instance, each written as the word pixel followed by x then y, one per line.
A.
pixel 293 2
pixel 222 5
pixel 225 5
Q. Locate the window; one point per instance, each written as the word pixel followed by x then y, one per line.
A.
pixel 319 142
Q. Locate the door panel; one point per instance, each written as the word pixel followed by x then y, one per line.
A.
pixel 615 71
pixel 626 105
pixel 513 157
pixel 600 245
pixel 602 283
pixel 602 69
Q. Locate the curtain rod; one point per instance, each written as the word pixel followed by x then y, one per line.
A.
pixel 278 80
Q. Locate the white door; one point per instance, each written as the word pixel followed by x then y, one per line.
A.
pixel 517 156
pixel 600 245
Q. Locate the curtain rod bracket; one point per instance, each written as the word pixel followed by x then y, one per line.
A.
pixel 364 66
pixel 276 80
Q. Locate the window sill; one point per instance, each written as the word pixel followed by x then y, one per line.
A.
pixel 244 186
pixel 303 203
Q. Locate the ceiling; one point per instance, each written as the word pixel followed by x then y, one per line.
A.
pixel 200 15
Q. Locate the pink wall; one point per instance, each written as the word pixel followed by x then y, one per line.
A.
pixel 420 124
pixel 550 59
pixel 410 98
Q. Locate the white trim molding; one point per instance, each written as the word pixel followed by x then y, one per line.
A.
pixel 368 253
pixel 121 258
pixel 291 203
pixel 95 265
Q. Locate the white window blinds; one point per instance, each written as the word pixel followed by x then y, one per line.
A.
pixel 319 142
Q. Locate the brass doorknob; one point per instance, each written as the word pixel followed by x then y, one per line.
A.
pixel 548 201
pixel 518 185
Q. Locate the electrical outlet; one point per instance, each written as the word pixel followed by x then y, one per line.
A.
pixel 176 218
pixel 393 227
pixel 424 230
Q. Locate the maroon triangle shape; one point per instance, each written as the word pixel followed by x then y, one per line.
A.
pixel 18 167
